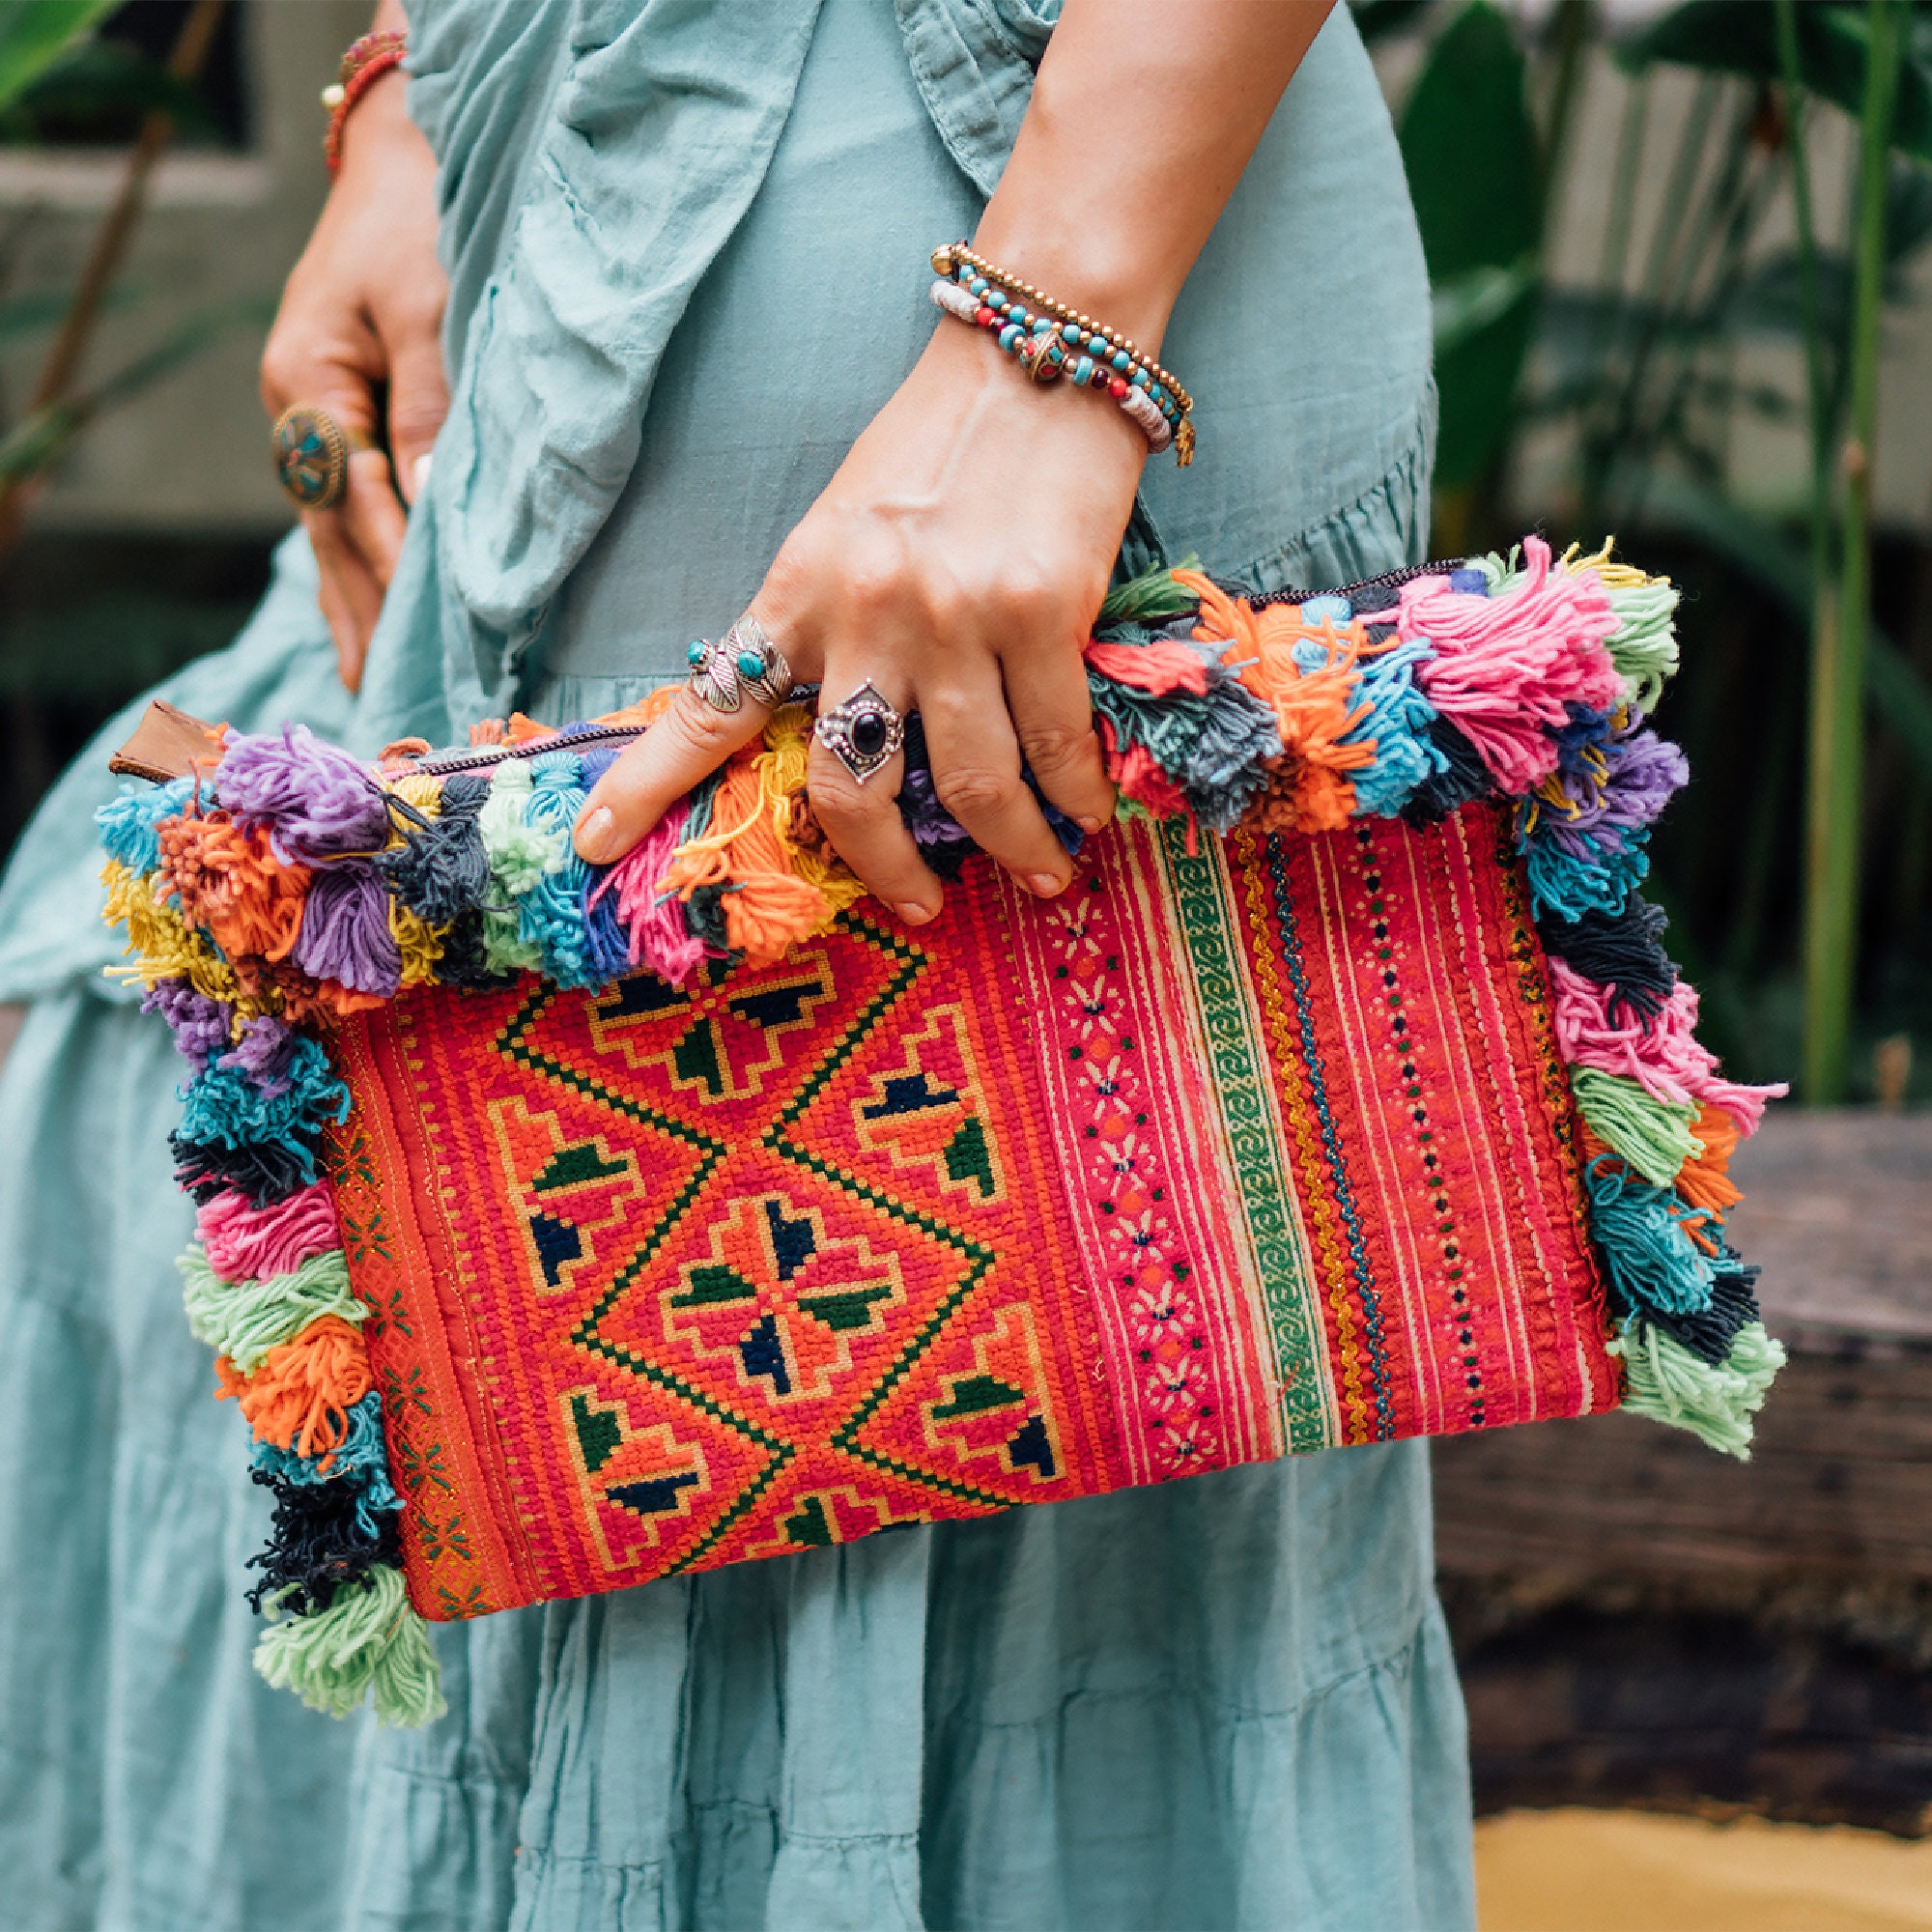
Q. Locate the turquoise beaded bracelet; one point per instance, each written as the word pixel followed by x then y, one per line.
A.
pixel 1051 340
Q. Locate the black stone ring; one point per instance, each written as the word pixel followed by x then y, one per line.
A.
pixel 864 734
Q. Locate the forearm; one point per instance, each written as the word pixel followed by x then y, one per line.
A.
pixel 1143 117
pixel 389 18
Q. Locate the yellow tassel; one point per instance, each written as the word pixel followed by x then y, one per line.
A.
pixel 162 946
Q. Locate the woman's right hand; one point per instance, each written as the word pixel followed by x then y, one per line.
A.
pixel 363 308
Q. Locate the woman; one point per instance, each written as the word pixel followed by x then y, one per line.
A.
pixel 692 371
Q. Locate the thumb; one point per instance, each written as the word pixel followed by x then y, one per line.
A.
pixel 418 401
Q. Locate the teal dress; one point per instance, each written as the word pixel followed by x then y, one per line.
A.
pixel 686 243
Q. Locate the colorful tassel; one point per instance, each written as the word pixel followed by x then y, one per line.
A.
pixel 246 1320
pixel 369 1644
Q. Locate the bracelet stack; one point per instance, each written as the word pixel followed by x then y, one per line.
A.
pixel 365 63
pixel 1051 340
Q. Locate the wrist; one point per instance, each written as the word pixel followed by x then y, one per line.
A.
pixel 1083 266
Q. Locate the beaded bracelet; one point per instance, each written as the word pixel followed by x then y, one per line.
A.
pixel 1051 340
pixel 365 63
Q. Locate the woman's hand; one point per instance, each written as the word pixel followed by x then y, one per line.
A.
pixel 956 561
pixel 363 309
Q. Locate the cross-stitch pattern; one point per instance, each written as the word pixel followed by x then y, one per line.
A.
pixel 560 1227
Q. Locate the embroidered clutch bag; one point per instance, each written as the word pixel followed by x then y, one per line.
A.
pixel 561 1228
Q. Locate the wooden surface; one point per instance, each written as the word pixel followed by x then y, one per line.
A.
pixel 1642 1622
pixel 1838 1211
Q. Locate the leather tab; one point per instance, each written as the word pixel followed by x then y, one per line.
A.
pixel 167 744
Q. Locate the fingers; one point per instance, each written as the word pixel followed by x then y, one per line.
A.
pixel 976 771
pixel 862 820
pixel 687 744
pixel 418 396
pixel 1053 717
pixel 373 514
pixel 351 598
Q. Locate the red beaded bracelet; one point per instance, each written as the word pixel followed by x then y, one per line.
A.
pixel 365 63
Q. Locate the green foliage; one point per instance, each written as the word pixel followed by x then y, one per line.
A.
pixel 96 89
pixel 1475 174
pixel 1739 37
pixel 34 34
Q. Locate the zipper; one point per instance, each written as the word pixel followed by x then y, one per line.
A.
pixel 530 747
pixel 1389 580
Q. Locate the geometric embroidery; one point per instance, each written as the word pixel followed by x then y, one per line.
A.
pixel 929 1109
pixel 673 1278
pixel 783 1296
pixel 569 1191
pixel 717 1039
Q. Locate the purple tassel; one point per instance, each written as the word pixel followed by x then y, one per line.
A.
pixel 200 1025
pixel 317 802
pixel 1641 773
pixel 345 931
pixel 263 1054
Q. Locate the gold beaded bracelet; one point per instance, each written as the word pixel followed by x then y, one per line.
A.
pixel 951 257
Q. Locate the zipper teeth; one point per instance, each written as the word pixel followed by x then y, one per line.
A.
pixel 607 735
pixel 530 747
pixel 1389 580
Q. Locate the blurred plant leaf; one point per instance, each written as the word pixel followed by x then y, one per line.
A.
pixel 1466 304
pixel 34 34
pixel 97 84
pixel 1741 37
pixel 1474 172
pixel 1896 693
pixel 38 440
pixel 1377 20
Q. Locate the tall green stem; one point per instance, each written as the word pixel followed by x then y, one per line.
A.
pixel 1838 651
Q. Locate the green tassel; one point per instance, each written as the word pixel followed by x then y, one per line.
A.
pixel 1152 598
pixel 1643 647
pixel 519 855
pixel 244 1320
pixel 368 1641
pixel 1669 1384
pixel 1652 1136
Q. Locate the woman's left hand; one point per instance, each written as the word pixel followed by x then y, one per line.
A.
pixel 956 561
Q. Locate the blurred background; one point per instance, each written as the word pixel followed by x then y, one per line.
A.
pixel 1681 258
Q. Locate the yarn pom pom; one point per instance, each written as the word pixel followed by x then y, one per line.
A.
pixel 317 802
pixel 369 1643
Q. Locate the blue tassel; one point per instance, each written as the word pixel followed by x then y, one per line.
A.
pixel 1566 887
pixel 127 823
pixel 223 1106
pixel 550 915
pixel 1398 726
pixel 1639 1229
pixel 360 1459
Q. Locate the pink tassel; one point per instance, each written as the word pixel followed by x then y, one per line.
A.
pixel 660 940
pixel 1664 1058
pixel 1504 667
pixel 247 1243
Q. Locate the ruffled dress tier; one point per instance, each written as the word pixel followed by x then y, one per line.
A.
pixel 687 250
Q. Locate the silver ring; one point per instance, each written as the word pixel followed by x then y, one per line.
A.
pixel 862 733
pixel 761 666
pixel 714 675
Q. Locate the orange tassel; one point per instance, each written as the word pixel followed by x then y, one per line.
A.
pixel 300 1396
pixel 231 882
pixel 1704 1180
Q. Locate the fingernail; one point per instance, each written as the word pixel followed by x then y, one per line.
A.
pixel 593 833
pixel 419 474
pixel 1088 824
pixel 911 912
pixel 1045 885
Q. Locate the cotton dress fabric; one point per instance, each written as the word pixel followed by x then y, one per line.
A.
pixel 686 243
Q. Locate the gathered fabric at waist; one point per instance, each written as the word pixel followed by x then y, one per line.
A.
pixel 1303 333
